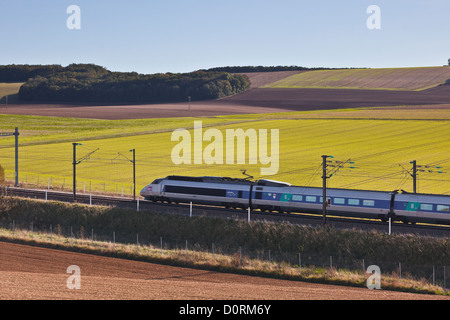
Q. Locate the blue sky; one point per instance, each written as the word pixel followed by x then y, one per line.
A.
pixel 181 36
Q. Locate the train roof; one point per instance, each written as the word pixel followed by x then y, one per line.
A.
pixel 275 183
pixel 261 182
pixel 208 179
pixel 425 195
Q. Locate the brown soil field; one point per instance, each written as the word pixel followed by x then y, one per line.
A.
pixel 116 112
pixel 313 99
pixel 255 100
pixel 28 273
pixel 252 101
pixel 260 79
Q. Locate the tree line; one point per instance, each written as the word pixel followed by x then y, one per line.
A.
pixel 92 83
pixel 249 69
pixel 23 72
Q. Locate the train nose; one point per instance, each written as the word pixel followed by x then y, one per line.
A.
pixel 146 189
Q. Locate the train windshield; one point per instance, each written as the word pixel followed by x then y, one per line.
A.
pixel 157 181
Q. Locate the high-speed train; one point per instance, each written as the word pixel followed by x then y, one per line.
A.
pixel 270 195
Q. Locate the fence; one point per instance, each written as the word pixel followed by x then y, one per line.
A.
pixel 325 266
pixel 50 182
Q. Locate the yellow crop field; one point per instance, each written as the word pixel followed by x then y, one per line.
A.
pixel 7 89
pixel 382 78
pixel 379 143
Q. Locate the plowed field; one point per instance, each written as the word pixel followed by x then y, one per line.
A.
pixel 382 78
pixel 262 99
pixel 28 272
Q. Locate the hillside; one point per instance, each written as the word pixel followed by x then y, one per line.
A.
pixel 413 79
pixel 92 83
pixel 9 89
pixel 377 139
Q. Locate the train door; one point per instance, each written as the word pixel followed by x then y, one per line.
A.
pixel 412 206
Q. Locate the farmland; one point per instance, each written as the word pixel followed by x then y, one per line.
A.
pixel 7 89
pixel 381 142
pixel 380 130
pixel 380 79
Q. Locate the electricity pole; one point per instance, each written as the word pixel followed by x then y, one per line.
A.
pixel 75 163
pixel 336 165
pixel 420 168
pixel 324 189
pixel 414 175
pixel 134 169
pixel 16 135
pixel 134 173
pixel 16 152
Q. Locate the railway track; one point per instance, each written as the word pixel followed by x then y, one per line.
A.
pixel 214 211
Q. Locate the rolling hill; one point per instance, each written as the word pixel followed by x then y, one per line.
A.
pixel 9 89
pixel 413 79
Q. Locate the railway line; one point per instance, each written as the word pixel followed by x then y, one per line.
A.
pixel 216 211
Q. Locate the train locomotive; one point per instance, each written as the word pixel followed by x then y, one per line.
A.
pixel 271 195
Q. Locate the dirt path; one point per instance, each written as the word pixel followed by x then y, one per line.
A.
pixel 28 272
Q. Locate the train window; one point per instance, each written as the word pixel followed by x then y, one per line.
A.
pixel 442 208
pixel 157 181
pixel 197 191
pixel 259 188
pixel 311 199
pixel 427 207
pixel 339 201
pixel 369 203
pixel 353 202
pixel 297 197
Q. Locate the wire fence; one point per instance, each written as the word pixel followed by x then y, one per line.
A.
pixel 328 266
pixel 106 169
pixel 51 182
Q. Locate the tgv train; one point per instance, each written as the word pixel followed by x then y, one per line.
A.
pixel 270 195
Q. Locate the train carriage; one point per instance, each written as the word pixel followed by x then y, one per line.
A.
pixel 357 203
pixel 423 207
pixel 270 195
pixel 203 190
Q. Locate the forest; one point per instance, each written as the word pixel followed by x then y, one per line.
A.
pixel 250 69
pixel 93 83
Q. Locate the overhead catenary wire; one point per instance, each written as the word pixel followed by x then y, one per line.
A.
pixel 369 170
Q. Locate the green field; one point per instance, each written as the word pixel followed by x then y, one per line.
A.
pixel 9 89
pixel 382 79
pixel 380 142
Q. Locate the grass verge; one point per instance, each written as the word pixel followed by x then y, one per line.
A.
pixel 233 240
